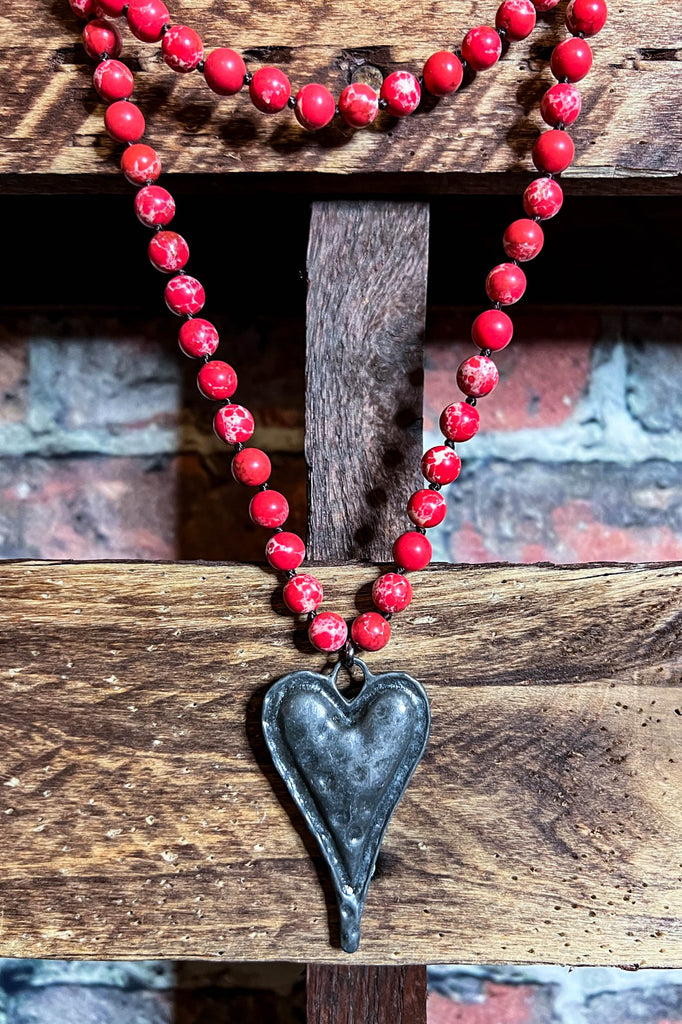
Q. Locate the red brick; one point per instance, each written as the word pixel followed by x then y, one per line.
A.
pixel 14 376
pixel 585 539
pixel 502 1004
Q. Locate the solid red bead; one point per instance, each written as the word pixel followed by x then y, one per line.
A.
pixel 441 464
pixel 168 251
pixel 571 59
pixel 198 338
pixel 544 5
pixel 505 284
pixel 370 631
pixel 146 19
pixel 523 240
pixel 233 424
pixel 401 92
pixel 426 507
pixel 477 376
pixel 113 80
pixel 269 90
pixel 83 8
pixel 443 73
pixel 184 295
pixel 392 592
pixel 561 104
pixel 315 106
pixel 111 8
pixel 328 632
pixel 251 467
pixel 553 151
pixel 154 206
pixel 224 71
pixel 481 47
pixel 412 551
pixel 285 550
pixel 140 164
pixel 459 421
pixel 303 593
pixel 124 121
pixel 217 380
pixel 358 105
pixel 269 508
pixel 100 37
pixel 182 48
pixel 492 329
pixel 586 16
pixel 543 198
pixel 517 18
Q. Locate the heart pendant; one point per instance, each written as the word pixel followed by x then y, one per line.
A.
pixel 347 763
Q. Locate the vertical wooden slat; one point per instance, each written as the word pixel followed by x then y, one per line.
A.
pixel 365 995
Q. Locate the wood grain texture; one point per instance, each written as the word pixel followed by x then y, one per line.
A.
pixel 141 815
pixel 365 322
pixel 52 122
pixel 337 994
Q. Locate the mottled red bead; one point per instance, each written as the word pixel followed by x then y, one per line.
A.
pixel 83 8
pixel 251 467
pixel 315 106
pixel 113 80
pixel 184 295
pixel 426 508
pixel 303 594
pixel 553 151
pixel 182 48
pixel 441 465
pixel 586 16
pixel 168 251
pixel 285 551
pixel 328 632
pixel 523 240
pixel 269 508
pixel 477 376
pixel 358 105
pixel 517 18
pixel 392 592
pixel 492 329
pixel 224 71
pixel 401 92
pixel 443 73
pixel 505 284
pixel 233 424
pixel 111 8
pixel 269 90
pixel 459 421
pixel 101 37
pixel 154 206
pixel 543 198
pixel 146 19
pixel 561 104
pixel 124 121
pixel 412 551
pixel 481 47
pixel 544 5
pixel 140 164
pixel 217 380
pixel 370 631
pixel 571 59
pixel 198 338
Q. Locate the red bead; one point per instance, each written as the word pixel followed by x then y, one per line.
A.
pixel 505 284
pixel 586 16
pixel 481 47
pixel 140 164
pixel 492 329
pixel 315 106
pixel 269 90
pixel 441 465
pixel 113 80
pixel 401 92
pixel 523 240
pixel 571 59
pixel 426 508
pixel 544 5
pixel 83 8
pixel 358 105
pixel 233 424
pixel 198 338
pixel 412 551
pixel 543 198
pixel 154 206
pixel 285 550
pixel 100 37
pixel 517 18
pixel 124 121
pixel 553 151
pixel 477 376
pixel 184 295
pixel 269 508
pixel 303 594
pixel 168 251
pixel 370 631
pixel 392 592
pixel 217 380
pixel 224 71
pixel 561 104
pixel 146 19
pixel 459 421
pixel 111 8
pixel 328 632
pixel 443 73
pixel 182 48
pixel 251 467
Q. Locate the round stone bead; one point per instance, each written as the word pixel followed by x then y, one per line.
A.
pixel 370 631
pixel 124 121
pixel 285 550
pixel 113 81
pixel 426 508
pixel 303 594
pixel 233 424
pixel 544 5
pixel 83 8
pixel 571 59
pixel 251 467
pixel 543 198
pixel 184 295
pixel 505 284
pixel 492 329
pixel 182 48
pixel 392 592
pixel 140 164
pixel 198 338
pixel 481 47
pixel 111 8
pixel 315 106
pixel 358 105
pixel 168 251
pixel 401 91
pixel 561 104
pixel 328 632
pixel 459 421
pixel 523 240
pixel 154 206
pixel 217 380
pixel 517 18
pixel 146 19
pixel 477 376
pixel 269 508
pixel 586 16
pixel 224 71
pixel 553 151
pixel 412 551
pixel 443 73
pixel 100 37
pixel 269 90
pixel 441 465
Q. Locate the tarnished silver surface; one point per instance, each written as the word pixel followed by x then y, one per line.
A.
pixel 347 763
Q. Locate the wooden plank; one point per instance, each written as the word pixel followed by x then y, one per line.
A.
pixel 338 994
pixel 52 123
pixel 141 816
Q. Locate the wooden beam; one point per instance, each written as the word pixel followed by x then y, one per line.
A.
pixel 339 994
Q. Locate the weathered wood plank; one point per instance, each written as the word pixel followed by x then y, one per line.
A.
pixel 141 816
pixel 338 994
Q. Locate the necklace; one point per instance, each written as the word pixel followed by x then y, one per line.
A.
pixel 345 761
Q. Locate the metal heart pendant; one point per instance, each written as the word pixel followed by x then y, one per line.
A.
pixel 347 763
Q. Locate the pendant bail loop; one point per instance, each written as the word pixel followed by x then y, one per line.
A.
pixel 347 654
